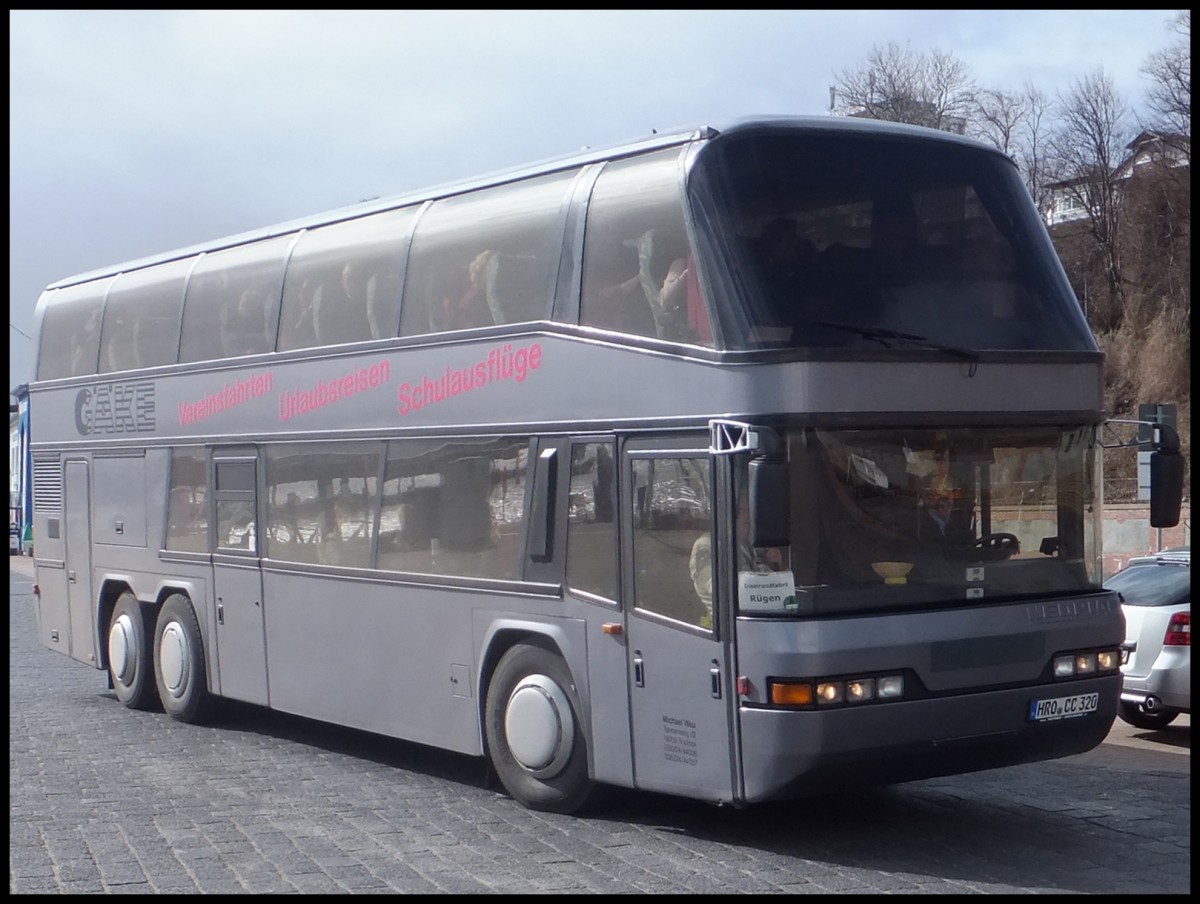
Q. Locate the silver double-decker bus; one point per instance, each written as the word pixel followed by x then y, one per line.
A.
pixel 739 464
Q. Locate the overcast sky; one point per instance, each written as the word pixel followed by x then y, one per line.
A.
pixel 133 133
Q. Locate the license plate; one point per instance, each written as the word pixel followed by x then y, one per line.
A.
pixel 1063 707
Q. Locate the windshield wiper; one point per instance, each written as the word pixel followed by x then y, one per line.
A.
pixel 886 338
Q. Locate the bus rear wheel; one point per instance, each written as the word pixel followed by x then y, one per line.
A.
pixel 535 735
pixel 130 665
pixel 180 674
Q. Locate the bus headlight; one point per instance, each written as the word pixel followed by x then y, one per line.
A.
pixel 1108 660
pixel 830 692
pixel 860 689
pixel 890 687
pixel 1086 662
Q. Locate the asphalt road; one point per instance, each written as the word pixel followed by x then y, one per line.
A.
pixel 107 800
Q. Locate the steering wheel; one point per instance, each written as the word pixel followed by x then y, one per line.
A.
pixel 999 542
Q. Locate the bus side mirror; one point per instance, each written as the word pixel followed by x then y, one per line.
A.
pixel 1166 487
pixel 770 510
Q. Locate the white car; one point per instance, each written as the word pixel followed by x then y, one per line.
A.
pixel 1156 658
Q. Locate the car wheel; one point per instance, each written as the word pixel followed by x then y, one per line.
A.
pixel 179 658
pixel 1138 718
pixel 130 665
pixel 535 735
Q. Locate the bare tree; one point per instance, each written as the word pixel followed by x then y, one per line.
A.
pixel 897 84
pixel 1087 148
pixel 1032 138
pixel 1015 123
pixel 1170 71
pixel 998 116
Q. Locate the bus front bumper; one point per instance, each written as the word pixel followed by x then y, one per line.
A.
pixel 790 753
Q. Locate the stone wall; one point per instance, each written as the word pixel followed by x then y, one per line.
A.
pixel 1127 531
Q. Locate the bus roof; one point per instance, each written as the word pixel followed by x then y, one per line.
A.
pixel 681 135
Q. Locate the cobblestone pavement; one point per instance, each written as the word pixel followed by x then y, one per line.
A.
pixel 107 800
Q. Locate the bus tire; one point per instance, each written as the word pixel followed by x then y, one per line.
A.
pixel 130 663
pixel 535 736
pixel 180 673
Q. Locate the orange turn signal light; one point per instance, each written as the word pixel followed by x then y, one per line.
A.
pixel 791 694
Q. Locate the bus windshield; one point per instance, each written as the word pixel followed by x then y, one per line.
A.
pixel 877 241
pixel 884 519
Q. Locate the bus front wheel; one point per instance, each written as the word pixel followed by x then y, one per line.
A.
pixel 535 736
pixel 130 665
pixel 179 656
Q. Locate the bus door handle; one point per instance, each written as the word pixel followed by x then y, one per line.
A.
pixel 71 577
pixel 715 675
pixel 639 672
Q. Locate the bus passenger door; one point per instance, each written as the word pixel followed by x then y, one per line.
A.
pixel 678 669
pixel 81 605
pixel 241 652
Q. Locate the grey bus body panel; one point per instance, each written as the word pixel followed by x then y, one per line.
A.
pixel 77 515
pixel 467 382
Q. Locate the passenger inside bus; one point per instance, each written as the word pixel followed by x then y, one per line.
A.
pixel 244 325
pixel 787 262
pixel 121 349
pixel 468 307
pixel 787 259
pixel 85 341
pixel 620 304
pixel 339 307
pixel 662 272
pixel 299 330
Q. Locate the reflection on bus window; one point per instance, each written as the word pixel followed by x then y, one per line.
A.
pixel 232 302
pixel 70 340
pixel 672 513
pixel 972 513
pixel 343 282
pixel 321 501
pixel 454 509
pixel 591 527
pixel 141 317
pixel 639 275
pixel 485 258
pixel 926 245
pixel 187 506
pixel 236 525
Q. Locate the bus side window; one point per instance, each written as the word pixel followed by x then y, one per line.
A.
pixel 120 350
pixel 187 502
pixel 591 527
pixel 638 268
pixel 672 523
pixel 141 317
pixel 232 302
pixel 485 257
pixel 321 501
